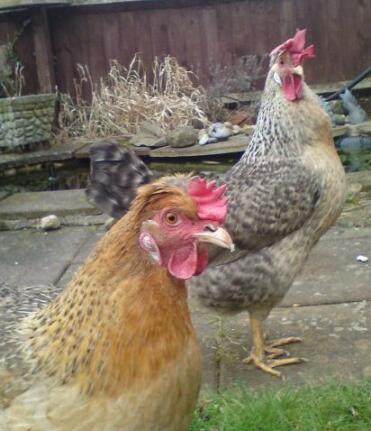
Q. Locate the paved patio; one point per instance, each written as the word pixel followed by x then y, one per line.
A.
pixel 328 306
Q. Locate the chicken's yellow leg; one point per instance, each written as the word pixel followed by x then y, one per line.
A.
pixel 257 355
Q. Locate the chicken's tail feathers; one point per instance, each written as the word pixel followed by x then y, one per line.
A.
pixel 115 174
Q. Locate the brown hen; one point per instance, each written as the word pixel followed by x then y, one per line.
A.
pixel 116 350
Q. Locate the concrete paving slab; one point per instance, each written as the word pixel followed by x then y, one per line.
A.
pixel 361 177
pixel 37 204
pixel 83 252
pixel 3 195
pixel 67 275
pixel 88 246
pixel 30 256
pixel 337 344
pixel 357 215
pixel 69 220
pixel 84 220
pixel 332 273
pixel 53 154
pixel 339 232
pixel 205 325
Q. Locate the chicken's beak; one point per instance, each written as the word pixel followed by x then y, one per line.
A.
pixel 298 70
pixel 217 236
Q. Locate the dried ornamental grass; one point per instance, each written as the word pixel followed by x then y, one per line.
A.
pixel 126 98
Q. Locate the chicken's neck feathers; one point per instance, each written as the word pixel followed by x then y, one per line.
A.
pixel 285 128
pixel 102 332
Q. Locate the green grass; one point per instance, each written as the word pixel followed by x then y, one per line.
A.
pixel 331 407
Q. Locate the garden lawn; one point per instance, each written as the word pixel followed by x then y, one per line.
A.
pixel 330 407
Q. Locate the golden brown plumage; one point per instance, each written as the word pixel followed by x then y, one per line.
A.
pixel 116 350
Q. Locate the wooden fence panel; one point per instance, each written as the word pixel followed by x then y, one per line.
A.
pixel 10 25
pixel 203 36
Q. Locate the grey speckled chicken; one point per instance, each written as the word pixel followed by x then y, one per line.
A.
pixel 284 193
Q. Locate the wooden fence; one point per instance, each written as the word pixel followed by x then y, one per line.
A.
pixel 202 35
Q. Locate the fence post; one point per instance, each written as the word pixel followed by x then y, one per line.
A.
pixel 43 50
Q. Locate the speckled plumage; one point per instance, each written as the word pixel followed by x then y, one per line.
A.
pixel 16 302
pixel 284 193
pixel 112 187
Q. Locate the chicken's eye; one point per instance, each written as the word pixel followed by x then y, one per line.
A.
pixel 282 62
pixel 171 218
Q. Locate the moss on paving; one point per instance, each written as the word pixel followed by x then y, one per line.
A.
pixel 331 407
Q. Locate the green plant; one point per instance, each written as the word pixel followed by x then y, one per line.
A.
pixel 328 407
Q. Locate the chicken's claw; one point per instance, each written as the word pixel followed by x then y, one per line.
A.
pixel 284 341
pixel 254 359
pixel 273 351
pixel 269 366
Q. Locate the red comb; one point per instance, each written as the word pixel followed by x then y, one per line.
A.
pixel 211 205
pixel 295 46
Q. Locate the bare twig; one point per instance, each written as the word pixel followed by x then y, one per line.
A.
pixel 124 99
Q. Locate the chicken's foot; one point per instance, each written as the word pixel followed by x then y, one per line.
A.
pixel 264 357
pixel 269 366
pixel 273 350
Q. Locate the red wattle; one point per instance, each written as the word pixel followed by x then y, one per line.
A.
pixel 202 260
pixel 293 87
pixel 188 261
pixel 183 262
